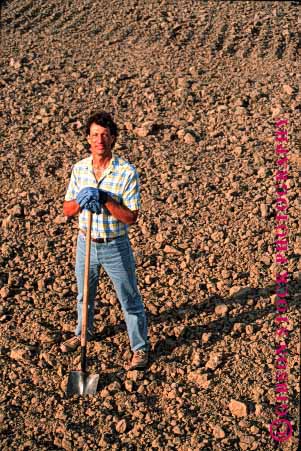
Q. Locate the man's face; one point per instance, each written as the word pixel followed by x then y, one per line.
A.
pixel 100 140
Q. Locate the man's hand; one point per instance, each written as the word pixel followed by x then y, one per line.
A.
pixel 86 195
pixel 93 206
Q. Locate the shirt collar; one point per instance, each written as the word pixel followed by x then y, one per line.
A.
pixel 112 164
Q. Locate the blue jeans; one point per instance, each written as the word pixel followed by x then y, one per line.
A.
pixel 116 257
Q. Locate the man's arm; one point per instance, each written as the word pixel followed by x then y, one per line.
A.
pixel 71 207
pixel 120 212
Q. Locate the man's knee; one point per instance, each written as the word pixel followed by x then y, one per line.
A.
pixel 133 305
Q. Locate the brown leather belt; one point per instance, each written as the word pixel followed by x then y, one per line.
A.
pixel 101 240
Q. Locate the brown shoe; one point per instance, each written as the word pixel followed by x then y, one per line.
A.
pixel 139 360
pixel 70 345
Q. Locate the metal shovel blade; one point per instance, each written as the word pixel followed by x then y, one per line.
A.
pixel 80 383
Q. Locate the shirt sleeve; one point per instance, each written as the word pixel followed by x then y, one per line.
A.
pixel 131 195
pixel 73 188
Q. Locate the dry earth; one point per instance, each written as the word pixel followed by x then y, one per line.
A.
pixel 195 88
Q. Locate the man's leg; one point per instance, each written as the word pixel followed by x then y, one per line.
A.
pixel 118 262
pixel 93 282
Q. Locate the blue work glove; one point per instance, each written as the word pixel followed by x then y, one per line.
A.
pixel 93 206
pixel 88 194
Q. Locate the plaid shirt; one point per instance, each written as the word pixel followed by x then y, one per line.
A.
pixel 120 180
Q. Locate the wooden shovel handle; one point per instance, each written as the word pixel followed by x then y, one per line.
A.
pixel 86 282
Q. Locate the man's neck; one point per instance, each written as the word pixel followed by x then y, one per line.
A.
pixel 101 163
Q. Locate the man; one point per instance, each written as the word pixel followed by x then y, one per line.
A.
pixel 108 186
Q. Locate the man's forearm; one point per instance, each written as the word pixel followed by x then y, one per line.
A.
pixel 121 212
pixel 71 208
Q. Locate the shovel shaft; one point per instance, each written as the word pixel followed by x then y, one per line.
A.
pixel 83 358
pixel 86 292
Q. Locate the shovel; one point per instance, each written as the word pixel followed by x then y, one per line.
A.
pixel 80 382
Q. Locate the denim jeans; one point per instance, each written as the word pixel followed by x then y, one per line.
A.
pixel 116 258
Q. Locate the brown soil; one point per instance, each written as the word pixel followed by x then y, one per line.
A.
pixel 195 88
